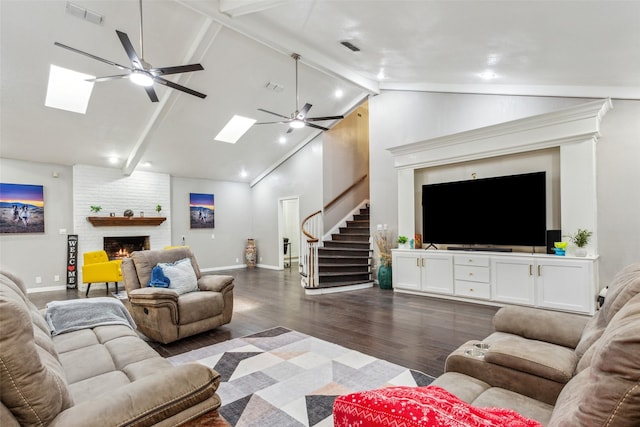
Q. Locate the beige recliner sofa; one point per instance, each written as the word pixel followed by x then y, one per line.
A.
pixel 558 368
pixel 162 314
pixel 100 376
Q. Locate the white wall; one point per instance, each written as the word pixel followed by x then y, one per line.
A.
pixel 618 188
pixel 41 255
pixel 300 176
pixel 220 247
pixel 398 118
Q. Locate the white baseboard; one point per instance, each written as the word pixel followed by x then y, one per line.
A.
pixel 46 289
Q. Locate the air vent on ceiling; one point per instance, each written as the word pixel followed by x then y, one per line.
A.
pixel 276 87
pixel 350 46
pixel 86 14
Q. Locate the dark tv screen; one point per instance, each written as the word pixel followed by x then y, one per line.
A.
pixel 506 210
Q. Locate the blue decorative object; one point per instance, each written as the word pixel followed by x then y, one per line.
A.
pixel 158 279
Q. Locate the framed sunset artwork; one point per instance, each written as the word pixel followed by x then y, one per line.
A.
pixel 201 210
pixel 21 208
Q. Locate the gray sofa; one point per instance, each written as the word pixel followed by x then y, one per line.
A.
pixel 558 368
pixel 101 376
pixel 166 316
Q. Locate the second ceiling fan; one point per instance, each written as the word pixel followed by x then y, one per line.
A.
pixel 298 119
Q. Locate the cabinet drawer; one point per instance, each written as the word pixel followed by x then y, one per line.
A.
pixel 482 261
pixel 472 273
pixel 464 288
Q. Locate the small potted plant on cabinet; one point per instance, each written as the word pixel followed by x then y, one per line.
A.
pixel 402 242
pixel 158 209
pixel 581 239
pixel 95 208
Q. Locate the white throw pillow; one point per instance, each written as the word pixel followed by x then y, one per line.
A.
pixel 182 278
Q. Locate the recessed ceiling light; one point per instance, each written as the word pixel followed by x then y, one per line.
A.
pixel 113 160
pixel 488 75
pixel 282 140
pixel 234 129
pixel 146 164
pixel 338 93
pixel 68 90
pixel 380 75
pixel 243 173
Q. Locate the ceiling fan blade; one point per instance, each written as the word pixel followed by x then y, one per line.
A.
pixel 152 93
pixel 275 114
pixel 317 119
pixel 176 69
pixel 311 125
pixel 301 115
pixel 108 78
pixel 289 130
pixel 271 123
pixel 97 58
pixel 131 52
pixel 176 86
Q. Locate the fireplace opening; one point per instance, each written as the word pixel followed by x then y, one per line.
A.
pixel 121 247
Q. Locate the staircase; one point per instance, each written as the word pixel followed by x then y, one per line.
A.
pixel 344 262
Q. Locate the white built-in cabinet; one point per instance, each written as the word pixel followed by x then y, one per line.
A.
pixel 538 280
pixel 423 271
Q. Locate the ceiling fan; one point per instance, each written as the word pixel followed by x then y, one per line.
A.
pixel 141 72
pixel 298 118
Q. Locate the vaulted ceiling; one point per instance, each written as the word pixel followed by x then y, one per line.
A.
pixel 539 48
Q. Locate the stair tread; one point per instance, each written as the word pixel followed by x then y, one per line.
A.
pixel 338 284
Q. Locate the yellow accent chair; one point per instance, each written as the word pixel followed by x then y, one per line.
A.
pixel 98 268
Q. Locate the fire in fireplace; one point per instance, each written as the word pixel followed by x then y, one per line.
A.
pixel 121 246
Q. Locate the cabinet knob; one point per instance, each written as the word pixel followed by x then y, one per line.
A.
pixel 470 289
pixel 470 274
pixel 470 261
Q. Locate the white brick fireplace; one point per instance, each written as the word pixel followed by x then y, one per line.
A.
pixel 115 192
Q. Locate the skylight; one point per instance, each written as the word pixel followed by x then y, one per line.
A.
pixel 68 90
pixel 234 130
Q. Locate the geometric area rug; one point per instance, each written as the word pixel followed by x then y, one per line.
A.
pixel 283 378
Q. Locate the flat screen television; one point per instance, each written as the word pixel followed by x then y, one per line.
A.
pixel 500 211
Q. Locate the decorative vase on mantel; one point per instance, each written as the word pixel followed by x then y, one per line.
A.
pixel 581 251
pixel 384 276
pixel 251 253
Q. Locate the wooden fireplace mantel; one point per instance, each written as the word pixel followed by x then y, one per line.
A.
pixel 118 221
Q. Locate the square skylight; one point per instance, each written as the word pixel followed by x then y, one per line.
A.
pixel 234 129
pixel 68 90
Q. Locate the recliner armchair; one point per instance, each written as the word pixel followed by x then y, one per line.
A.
pixel 98 268
pixel 164 315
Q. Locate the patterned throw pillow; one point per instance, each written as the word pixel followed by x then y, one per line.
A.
pixel 178 276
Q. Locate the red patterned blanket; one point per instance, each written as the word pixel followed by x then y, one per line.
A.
pixel 429 406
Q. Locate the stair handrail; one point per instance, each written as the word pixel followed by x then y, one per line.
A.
pixel 309 262
pixel 341 195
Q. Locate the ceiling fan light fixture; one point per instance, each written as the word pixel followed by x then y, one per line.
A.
pixel 141 78
pixel 296 124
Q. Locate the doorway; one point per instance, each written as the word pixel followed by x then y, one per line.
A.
pixel 289 231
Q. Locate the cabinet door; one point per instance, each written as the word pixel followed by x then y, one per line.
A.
pixel 437 274
pixel 564 285
pixel 512 280
pixel 406 268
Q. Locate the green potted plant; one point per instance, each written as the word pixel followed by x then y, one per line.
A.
pixel 402 242
pixel 95 208
pixel 581 240
pixel 158 208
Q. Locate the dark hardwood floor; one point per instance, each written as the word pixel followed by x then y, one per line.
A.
pixel 413 331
